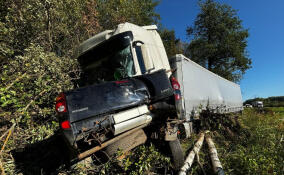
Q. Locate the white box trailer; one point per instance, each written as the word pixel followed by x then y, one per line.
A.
pixel 202 89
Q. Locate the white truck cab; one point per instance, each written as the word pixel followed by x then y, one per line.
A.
pixel 129 50
pixel 258 104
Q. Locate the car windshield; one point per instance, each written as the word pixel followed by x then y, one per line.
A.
pixel 109 61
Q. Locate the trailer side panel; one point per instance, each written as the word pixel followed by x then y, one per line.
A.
pixel 201 89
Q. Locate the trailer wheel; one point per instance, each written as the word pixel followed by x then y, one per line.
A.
pixel 177 154
pixel 127 143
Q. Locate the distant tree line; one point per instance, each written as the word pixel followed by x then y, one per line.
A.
pixel 277 101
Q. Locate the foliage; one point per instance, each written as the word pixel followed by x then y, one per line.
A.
pixel 5 50
pixel 144 159
pixel 54 25
pixel 140 12
pixel 263 151
pixel 30 83
pixel 28 86
pixel 219 41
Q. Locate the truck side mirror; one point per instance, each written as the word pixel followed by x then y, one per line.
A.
pixel 143 56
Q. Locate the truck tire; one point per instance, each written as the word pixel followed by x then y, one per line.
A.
pixel 127 143
pixel 177 154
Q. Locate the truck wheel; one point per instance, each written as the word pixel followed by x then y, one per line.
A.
pixel 127 143
pixel 177 154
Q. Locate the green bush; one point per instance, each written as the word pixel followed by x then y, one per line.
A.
pixel 29 85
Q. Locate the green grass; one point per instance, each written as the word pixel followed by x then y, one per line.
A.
pixel 253 149
pixel 260 151
pixel 277 110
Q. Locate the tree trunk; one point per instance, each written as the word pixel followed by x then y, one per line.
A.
pixel 218 169
pixel 189 160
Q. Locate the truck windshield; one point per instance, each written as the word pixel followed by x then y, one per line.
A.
pixel 109 61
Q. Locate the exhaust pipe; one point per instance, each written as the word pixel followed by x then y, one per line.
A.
pixel 130 124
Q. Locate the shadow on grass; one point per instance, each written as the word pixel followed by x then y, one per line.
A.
pixel 44 157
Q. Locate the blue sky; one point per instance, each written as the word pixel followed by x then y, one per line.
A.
pixel 265 21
